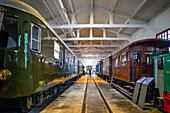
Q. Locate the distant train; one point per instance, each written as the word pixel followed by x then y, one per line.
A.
pixel 134 61
pixel 30 68
pixel 88 68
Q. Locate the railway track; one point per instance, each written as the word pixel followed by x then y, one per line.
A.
pixel 84 106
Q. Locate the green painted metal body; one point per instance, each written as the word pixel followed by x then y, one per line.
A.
pixel 166 71
pixel 31 72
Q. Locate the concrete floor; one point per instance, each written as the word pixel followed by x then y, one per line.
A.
pixel 71 100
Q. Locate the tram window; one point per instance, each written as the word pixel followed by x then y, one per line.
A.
pixel 1 17
pixel 35 38
pixel 124 59
pixel 116 62
pixel 9 32
pixel 148 58
pixel 128 57
pixel 136 58
pixel 56 50
pixel 61 55
pixel 168 34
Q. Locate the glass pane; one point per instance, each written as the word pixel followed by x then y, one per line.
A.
pixel 149 48
pixel 168 36
pixel 56 55
pixel 35 38
pixel 35 32
pixel 136 58
pixel 124 59
pixel 116 62
pixel 168 31
pixel 35 45
pixel 148 57
pixel 1 18
pixel 56 46
pixel 9 33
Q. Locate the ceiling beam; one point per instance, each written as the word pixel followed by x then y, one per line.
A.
pixel 59 5
pixel 94 38
pixel 109 11
pixel 66 26
pixel 82 9
pixel 52 14
pixel 133 15
pixel 88 52
pixel 93 45
pixel 94 50
pixel 96 55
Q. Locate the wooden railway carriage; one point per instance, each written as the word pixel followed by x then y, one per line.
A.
pixel 100 68
pixel 107 67
pixel 136 60
pixel 30 66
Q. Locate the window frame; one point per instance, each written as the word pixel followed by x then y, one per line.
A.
pixel 163 35
pixel 18 30
pixel 57 51
pixel 33 24
pixel 152 60
pixel 133 58
pixel 124 54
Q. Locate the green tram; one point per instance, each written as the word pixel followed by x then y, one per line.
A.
pixel 31 68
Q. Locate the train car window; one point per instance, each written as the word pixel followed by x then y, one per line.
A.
pixel 124 59
pixel 1 17
pixel 35 38
pixel 149 58
pixel 116 62
pixel 168 34
pixel 61 55
pixel 128 58
pixel 9 32
pixel 136 58
pixel 56 50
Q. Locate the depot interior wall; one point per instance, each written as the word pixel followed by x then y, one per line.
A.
pixel 156 24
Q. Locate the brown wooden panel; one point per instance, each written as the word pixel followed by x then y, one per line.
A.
pixel 121 73
pixel 106 67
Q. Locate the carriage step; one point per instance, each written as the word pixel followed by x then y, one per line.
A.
pixel 132 88
pixel 132 83
pixel 127 87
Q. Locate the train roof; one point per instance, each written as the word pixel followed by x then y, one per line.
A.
pixel 17 4
pixel 155 41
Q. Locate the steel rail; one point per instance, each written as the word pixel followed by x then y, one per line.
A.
pixel 103 98
pixel 83 109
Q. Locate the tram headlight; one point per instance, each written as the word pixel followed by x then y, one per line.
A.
pixel 5 74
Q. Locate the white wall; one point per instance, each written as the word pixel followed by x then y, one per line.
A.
pixel 156 25
pixel 159 23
